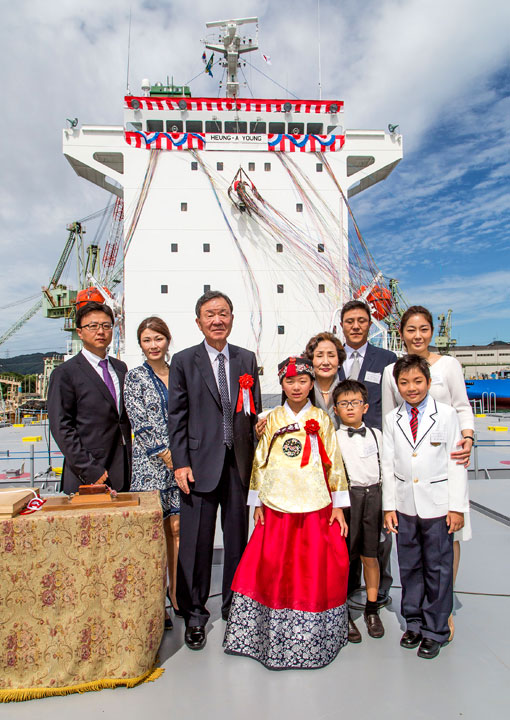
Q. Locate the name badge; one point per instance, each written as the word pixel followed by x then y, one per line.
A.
pixel 373 377
pixel 436 380
pixel 369 449
pixel 436 438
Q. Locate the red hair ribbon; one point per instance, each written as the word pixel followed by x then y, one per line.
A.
pixel 245 397
pixel 312 428
pixel 291 368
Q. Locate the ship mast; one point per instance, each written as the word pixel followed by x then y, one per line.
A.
pixel 231 45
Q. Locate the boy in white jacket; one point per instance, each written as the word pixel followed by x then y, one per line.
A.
pixel 424 500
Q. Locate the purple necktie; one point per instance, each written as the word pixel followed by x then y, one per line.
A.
pixel 103 364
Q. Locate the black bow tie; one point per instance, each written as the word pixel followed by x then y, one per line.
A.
pixel 352 431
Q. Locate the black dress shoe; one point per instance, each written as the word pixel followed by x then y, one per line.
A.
pixel 410 639
pixel 353 635
pixel 429 648
pixel 194 637
pixel 374 625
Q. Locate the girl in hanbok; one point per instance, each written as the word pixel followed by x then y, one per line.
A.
pixel 289 608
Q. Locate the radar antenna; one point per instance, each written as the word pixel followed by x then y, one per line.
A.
pixel 231 45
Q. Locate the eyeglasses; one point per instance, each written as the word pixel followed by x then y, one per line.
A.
pixel 352 403
pixel 94 327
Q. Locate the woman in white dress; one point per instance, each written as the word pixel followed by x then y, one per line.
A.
pixel 448 386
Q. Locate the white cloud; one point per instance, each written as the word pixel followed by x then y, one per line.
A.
pixel 421 64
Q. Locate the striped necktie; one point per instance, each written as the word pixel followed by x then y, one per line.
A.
pixel 228 429
pixel 414 421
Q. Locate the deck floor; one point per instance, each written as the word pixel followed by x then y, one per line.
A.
pixel 470 679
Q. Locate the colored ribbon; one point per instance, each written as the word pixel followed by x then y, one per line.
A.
pixel 245 397
pixel 314 445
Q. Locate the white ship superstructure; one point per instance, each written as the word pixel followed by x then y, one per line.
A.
pixel 241 195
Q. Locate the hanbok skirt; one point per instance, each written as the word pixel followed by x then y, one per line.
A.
pixel 289 607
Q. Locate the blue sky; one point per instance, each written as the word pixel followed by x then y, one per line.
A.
pixel 440 223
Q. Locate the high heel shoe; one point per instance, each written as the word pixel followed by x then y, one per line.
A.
pixel 177 612
pixel 451 626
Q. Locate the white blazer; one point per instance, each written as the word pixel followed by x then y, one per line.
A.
pixel 419 477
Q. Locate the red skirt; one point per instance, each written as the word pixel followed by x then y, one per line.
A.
pixel 295 560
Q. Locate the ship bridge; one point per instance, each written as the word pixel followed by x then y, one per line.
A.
pixel 244 195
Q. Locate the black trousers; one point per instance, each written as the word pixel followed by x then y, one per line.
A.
pixel 196 545
pixel 384 558
pixel 425 559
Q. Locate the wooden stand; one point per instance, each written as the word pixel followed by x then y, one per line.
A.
pixel 88 502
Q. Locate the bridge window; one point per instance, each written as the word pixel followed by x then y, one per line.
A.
pixel 296 128
pixel 213 126
pixel 314 128
pixel 276 127
pixel 194 126
pixel 236 126
pixel 174 126
pixel 258 127
pixel 154 125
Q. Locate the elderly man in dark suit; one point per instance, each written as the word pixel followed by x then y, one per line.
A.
pixel 366 363
pixel 86 409
pixel 212 442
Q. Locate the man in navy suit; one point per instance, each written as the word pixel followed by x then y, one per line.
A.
pixel 86 409
pixel 212 440
pixel 366 363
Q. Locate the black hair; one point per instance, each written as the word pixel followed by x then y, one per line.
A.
pixel 90 307
pixel 350 386
pixel 411 361
pixel 212 295
pixel 355 305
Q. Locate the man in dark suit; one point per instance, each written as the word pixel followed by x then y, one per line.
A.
pixel 366 363
pixel 212 444
pixel 86 409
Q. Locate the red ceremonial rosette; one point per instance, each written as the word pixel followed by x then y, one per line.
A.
pixel 312 428
pixel 245 397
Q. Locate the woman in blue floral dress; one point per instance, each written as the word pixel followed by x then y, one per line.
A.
pixel 146 399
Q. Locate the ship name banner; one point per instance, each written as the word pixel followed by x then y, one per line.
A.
pixel 224 141
pixel 220 104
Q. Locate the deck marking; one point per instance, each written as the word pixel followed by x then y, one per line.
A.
pixel 490 513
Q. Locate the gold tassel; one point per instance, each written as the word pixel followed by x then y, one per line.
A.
pixel 19 695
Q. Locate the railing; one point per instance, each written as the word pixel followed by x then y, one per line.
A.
pixel 488 402
pixel 14 477
pixel 485 443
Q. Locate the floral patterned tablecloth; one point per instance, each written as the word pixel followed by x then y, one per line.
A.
pixel 81 598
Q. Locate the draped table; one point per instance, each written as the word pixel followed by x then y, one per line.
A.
pixel 82 596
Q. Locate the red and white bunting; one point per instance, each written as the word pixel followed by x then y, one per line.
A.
pixel 165 141
pixel 294 143
pixel 220 104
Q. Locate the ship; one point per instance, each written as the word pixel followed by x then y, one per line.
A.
pixel 249 196
pixel 220 242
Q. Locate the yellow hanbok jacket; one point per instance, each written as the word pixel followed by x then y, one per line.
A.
pixel 278 480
